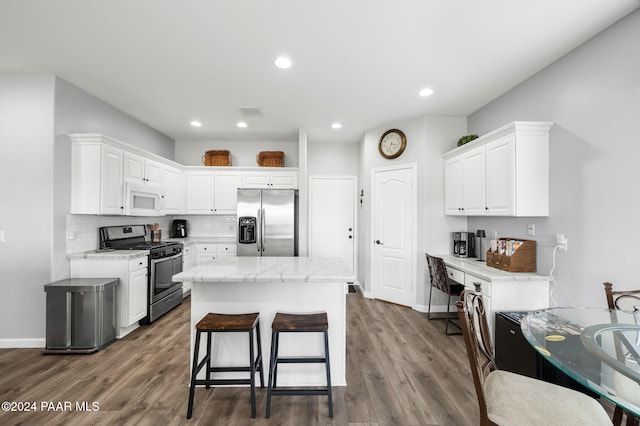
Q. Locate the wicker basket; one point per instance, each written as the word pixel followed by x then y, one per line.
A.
pixel 217 158
pixel 270 159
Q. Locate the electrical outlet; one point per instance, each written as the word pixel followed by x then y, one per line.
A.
pixel 562 242
pixel 531 229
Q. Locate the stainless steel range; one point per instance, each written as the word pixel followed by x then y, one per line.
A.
pixel 165 260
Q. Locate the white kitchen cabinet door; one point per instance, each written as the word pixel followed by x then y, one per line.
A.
pixel 137 295
pixel 200 192
pixel 473 182
pixel 453 191
pixel 205 253
pixel 138 169
pixel 500 175
pixel 284 180
pixel 226 186
pixel 96 178
pixel 111 186
pixel 173 190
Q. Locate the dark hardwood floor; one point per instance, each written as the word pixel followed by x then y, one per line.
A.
pixel 401 370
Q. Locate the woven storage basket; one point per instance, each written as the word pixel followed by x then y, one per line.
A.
pixel 219 157
pixel 270 159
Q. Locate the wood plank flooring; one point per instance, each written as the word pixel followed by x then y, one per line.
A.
pixel 401 370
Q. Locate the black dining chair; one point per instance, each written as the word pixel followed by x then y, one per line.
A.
pixel 440 280
pixel 625 300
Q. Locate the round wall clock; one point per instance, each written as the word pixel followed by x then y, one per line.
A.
pixel 392 143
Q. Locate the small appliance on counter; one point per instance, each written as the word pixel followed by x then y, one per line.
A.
pixel 464 244
pixel 179 228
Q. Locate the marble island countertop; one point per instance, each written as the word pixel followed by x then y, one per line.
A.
pixel 480 269
pixel 269 269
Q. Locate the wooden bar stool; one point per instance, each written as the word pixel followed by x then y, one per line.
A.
pixel 298 323
pixel 225 323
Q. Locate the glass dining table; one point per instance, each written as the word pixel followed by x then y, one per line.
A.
pixel 599 348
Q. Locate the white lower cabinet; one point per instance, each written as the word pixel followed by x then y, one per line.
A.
pixel 501 291
pixel 207 253
pixel 188 262
pixel 132 289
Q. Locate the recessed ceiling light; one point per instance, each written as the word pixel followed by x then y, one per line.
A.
pixel 336 126
pixel 196 123
pixel 283 62
pixel 241 124
pixel 426 92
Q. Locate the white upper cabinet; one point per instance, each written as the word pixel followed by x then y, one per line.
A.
pixel 277 179
pixel 173 190
pixel 138 169
pixel 211 192
pixel 96 178
pixel 503 173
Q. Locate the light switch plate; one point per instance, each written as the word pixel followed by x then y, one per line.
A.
pixel 531 229
pixel 2 237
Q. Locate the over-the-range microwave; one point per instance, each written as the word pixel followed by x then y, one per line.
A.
pixel 142 200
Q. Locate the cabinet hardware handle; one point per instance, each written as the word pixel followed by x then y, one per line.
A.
pixel 379 242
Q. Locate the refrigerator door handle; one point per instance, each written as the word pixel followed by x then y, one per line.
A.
pixel 262 221
pixel 259 231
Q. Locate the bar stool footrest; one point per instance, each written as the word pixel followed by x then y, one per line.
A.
pixel 214 382
pixel 302 360
pixel 296 391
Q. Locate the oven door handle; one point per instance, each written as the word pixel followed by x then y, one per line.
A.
pixel 162 259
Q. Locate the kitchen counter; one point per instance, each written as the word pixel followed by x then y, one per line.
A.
pixel 203 240
pixel 269 269
pixel 268 285
pixel 110 254
pixel 480 269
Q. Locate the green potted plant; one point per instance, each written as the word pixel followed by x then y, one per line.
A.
pixel 466 139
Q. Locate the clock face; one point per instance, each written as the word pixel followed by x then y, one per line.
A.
pixel 392 143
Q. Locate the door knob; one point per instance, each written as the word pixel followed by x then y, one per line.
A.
pixel 379 242
pixel 350 236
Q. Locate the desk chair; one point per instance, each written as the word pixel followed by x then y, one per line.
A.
pixel 440 280
pixel 625 300
pixel 507 398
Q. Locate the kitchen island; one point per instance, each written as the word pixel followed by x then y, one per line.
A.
pixel 268 285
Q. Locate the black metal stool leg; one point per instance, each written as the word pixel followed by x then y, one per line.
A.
pixel 327 366
pixel 252 372
pixel 209 336
pixel 260 362
pixel 272 363
pixel 194 372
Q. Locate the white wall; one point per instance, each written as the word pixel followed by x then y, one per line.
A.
pixel 333 158
pixel 427 139
pixel 243 153
pixel 593 97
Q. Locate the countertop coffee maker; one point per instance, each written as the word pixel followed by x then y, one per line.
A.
pixel 179 228
pixel 464 244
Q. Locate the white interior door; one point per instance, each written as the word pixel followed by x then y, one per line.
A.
pixel 393 229
pixel 332 215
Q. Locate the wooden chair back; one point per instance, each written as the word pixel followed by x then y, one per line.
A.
pixel 475 328
pixel 438 274
pixel 624 300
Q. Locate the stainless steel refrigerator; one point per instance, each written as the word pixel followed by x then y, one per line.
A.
pixel 267 222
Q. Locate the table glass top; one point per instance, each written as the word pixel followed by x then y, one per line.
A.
pixel 597 347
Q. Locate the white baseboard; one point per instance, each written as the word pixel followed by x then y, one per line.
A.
pixel 22 343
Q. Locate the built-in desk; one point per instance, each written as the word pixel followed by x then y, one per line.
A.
pixel 275 284
pixel 502 290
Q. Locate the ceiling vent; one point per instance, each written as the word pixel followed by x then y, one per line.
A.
pixel 250 111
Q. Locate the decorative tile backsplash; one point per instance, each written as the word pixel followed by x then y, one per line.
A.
pixel 82 230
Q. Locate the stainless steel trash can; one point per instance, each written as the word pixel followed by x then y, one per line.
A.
pixel 81 315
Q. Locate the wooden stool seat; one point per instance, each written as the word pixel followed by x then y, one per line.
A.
pixel 220 323
pixel 227 322
pixel 300 322
pixel 306 323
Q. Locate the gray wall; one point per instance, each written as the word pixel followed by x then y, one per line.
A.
pixel 26 194
pixel 593 97
pixel 36 112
